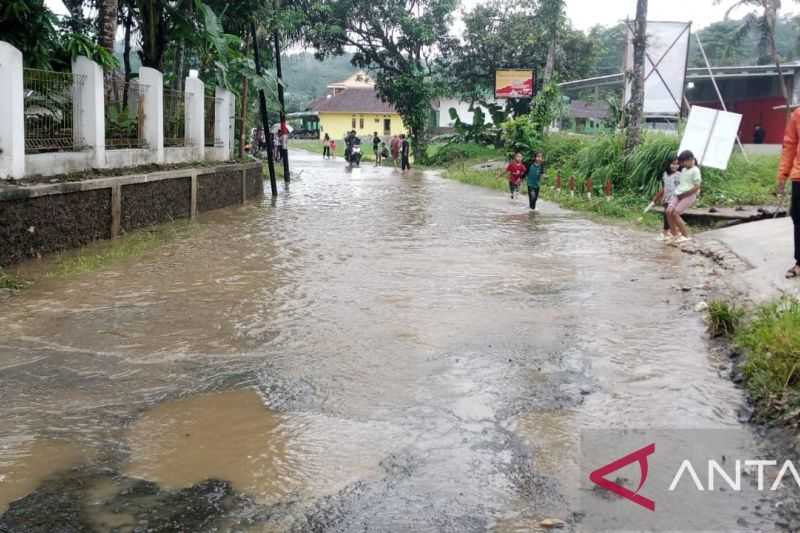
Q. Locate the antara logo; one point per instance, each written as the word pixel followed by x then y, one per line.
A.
pixel 599 476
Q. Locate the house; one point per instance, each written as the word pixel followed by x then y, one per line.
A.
pixel 353 104
pixel 588 116
pixel 751 90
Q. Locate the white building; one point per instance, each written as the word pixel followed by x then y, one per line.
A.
pixel 441 112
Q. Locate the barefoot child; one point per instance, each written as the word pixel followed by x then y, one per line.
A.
pixel 515 171
pixel 686 194
pixel 669 180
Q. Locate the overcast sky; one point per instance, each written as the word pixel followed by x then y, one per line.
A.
pixel 586 13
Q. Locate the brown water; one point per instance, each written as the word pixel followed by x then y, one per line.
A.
pixel 411 344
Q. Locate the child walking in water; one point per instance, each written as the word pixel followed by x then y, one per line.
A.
pixel 686 194
pixel 515 171
pixel 669 182
pixel 535 173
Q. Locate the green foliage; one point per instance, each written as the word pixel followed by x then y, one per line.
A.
pixel 77 44
pixel 12 282
pixel 394 39
pixel 525 133
pixel 772 367
pixel 647 163
pixel 459 152
pixel 479 132
pixel 31 27
pixel 513 34
pixel 724 318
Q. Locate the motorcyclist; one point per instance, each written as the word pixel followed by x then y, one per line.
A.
pixel 354 141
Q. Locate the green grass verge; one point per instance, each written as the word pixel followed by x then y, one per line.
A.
pixel 12 281
pixel 724 318
pixel 624 208
pixel 102 254
pixel 771 340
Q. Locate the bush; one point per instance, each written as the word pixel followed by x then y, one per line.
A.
pixel 772 368
pixel 450 153
pixel 600 156
pixel 723 318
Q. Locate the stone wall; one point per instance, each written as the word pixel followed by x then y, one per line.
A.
pixel 155 202
pixel 30 227
pixel 218 190
pixel 40 219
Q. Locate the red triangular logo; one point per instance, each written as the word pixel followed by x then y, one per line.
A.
pixel 640 456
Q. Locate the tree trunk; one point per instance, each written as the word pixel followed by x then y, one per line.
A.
pixel 549 66
pixel 108 24
pixel 245 104
pixel 419 145
pixel 771 15
pixel 636 104
pixel 126 54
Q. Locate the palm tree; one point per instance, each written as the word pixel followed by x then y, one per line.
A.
pixel 636 103
pixel 108 24
pixel 764 23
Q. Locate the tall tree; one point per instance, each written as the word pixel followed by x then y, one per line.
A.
pixel 397 39
pixel 636 76
pixel 553 16
pixel 107 35
pixel 766 22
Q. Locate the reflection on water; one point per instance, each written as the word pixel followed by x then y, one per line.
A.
pixel 395 327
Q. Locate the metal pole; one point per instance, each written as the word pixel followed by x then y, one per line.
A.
pixel 719 94
pixel 284 151
pixel 262 101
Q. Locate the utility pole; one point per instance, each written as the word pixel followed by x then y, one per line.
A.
pixel 262 101
pixel 283 128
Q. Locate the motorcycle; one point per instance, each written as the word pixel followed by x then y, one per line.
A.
pixel 355 156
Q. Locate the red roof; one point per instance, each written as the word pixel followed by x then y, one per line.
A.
pixel 352 101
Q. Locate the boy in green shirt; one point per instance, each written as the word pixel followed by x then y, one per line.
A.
pixel 535 173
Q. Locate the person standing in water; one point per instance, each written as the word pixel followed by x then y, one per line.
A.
pixel 515 171
pixel 535 174
pixel 405 153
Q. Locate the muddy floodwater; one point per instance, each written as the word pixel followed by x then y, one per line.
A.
pixel 371 352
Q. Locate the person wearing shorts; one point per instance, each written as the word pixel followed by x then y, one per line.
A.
pixel 686 194
pixel 394 146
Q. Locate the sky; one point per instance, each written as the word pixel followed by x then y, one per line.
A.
pixel 586 13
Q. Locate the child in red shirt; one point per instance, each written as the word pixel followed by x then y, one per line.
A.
pixel 516 171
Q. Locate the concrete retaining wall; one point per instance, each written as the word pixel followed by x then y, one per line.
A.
pixel 39 219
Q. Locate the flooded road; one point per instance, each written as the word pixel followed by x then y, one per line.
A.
pixel 373 352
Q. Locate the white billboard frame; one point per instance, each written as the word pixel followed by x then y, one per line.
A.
pixel 662 96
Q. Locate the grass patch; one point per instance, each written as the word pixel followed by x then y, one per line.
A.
pixel 772 366
pixel 103 254
pixel 12 282
pixel 627 208
pixel 724 318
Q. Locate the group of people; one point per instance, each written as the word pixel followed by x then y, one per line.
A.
pixel 532 172
pixel 681 183
pixel 399 148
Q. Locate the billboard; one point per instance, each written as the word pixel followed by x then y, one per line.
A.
pixel 710 134
pixel 664 65
pixel 513 83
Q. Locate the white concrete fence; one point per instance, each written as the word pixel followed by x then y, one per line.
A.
pixel 89 123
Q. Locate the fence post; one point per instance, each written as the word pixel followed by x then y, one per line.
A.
pixel 195 111
pixel 153 128
pixel 12 113
pixel 222 123
pixel 90 109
